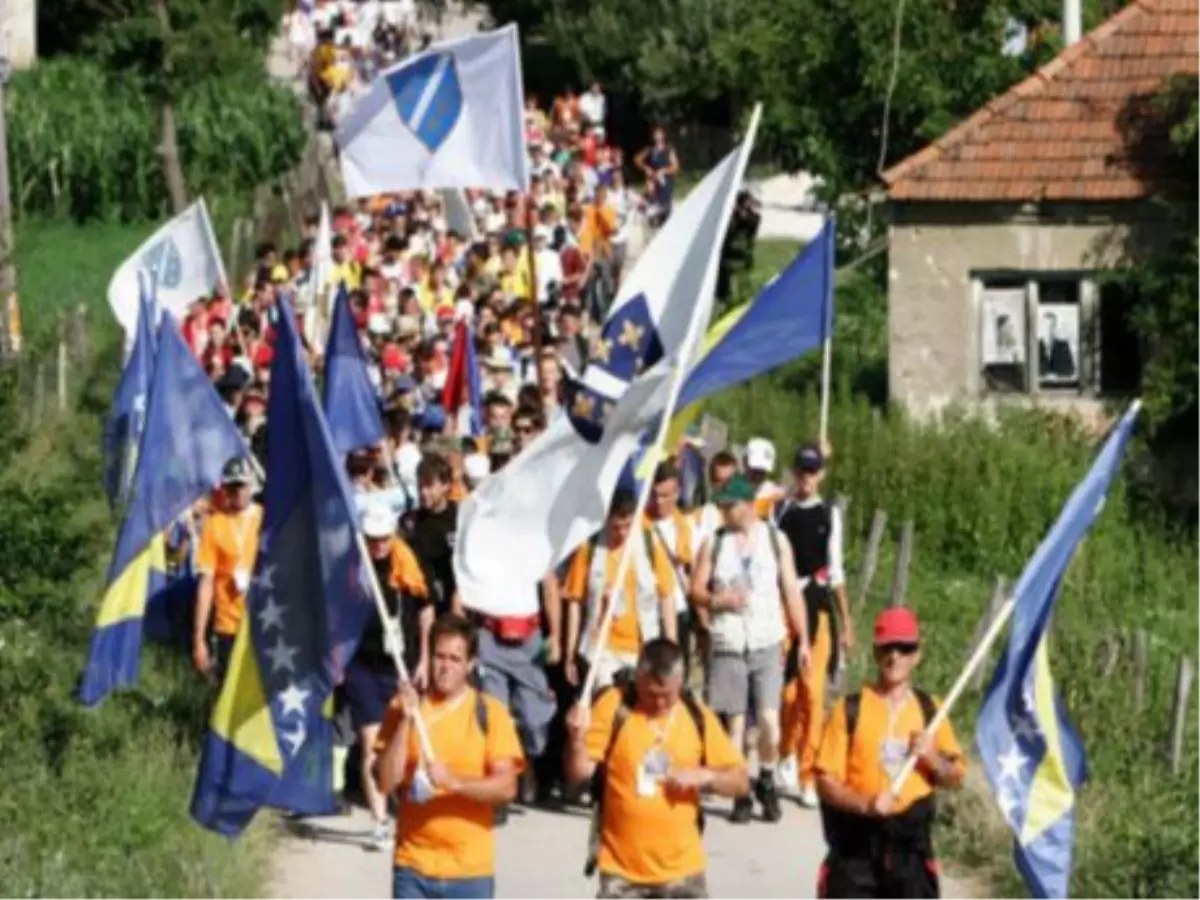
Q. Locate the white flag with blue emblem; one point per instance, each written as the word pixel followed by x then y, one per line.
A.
pixel 525 519
pixel 182 260
pixel 448 117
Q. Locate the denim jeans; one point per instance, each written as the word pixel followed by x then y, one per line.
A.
pixel 406 883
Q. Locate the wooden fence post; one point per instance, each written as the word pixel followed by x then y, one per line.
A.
pixel 1141 667
pixel 1110 655
pixel 903 561
pixel 871 556
pixel 1179 712
pixel 989 616
pixel 39 393
pixel 62 374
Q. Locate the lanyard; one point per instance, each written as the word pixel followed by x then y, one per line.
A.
pixel 241 526
pixel 434 715
pixel 661 732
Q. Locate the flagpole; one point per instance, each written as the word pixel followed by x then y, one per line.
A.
pixel 536 300
pixel 827 341
pixel 394 642
pixel 964 679
pixel 664 427
pixel 216 249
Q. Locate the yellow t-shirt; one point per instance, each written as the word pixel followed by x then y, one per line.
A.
pixel 450 836
pixel 653 839
pixel 626 634
pixel 349 272
pixel 869 766
pixel 229 542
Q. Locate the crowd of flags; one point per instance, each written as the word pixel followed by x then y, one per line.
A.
pixel 169 437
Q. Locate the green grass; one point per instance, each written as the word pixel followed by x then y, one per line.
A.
pixel 982 496
pixel 95 801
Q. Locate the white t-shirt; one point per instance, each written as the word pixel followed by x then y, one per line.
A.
pixel 667 530
pixel 592 105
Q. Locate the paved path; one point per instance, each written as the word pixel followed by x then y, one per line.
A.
pixel 540 854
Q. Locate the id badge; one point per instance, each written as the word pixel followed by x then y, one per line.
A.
pixel 241 580
pixel 892 755
pixel 651 772
pixel 421 789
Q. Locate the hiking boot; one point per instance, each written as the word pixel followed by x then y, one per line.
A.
pixel 743 811
pixel 768 796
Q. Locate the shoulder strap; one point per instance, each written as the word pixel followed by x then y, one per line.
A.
pixel 773 540
pixel 853 701
pixel 481 712
pixel 928 706
pixel 693 707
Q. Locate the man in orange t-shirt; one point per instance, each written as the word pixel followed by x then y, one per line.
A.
pixel 225 560
pixel 445 843
pixel 880 841
pixel 646 604
pixel 661 750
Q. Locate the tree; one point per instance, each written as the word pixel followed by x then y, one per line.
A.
pixel 165 49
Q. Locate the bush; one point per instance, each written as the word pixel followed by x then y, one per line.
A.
pixel 85 144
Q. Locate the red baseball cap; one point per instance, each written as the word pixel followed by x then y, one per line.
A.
pixel 263 356
pixel 897 625
pixel 393 359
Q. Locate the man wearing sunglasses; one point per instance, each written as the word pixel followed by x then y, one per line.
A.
pixel 880 842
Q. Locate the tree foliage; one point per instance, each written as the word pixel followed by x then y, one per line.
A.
pixel 821 68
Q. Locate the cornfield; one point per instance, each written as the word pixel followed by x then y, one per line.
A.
pixel 86 145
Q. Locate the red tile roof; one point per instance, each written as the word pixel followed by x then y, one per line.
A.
pixel 1057 135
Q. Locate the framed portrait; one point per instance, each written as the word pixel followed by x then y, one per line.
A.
pixel 1058 344
pixel 1002 338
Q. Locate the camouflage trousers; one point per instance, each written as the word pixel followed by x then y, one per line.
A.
pixel 616 886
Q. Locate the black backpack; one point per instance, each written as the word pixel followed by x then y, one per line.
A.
pixel 623 681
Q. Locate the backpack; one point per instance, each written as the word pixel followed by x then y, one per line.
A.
pixel 623 682
pixel 719 539
pixel 835 822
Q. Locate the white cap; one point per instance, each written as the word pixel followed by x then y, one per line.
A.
pixel 377 323
pixel 760 454
pixel 378 521
pixel 476 467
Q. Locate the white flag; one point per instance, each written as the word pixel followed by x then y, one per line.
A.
pixel 459 216
pixel 181 259
pixel 316 292
pixel 525 519
pixel 450 116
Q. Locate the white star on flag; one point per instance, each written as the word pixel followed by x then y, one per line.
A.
pixel 139 403
pixel 1012 763
pixel 293 699
pixel 281 655
pixel 262 580
pixel 295 739
pixel 271 615
pixel 1026 727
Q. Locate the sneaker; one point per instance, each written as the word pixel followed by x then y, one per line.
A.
pixel 808 796
pixel 764 790
pixel 381 838
pixel 500 817
pixel 743 811
pixel 787 776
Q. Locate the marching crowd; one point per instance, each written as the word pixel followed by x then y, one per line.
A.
pixel 729 624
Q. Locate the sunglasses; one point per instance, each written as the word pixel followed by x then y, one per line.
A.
pixel 904 649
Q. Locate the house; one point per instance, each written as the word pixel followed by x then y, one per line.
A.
pixel 1000 228
pixel 18 32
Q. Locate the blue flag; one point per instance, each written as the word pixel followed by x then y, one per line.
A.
pixel 1031 753
pixel 790 316
pixel 351 404
pixel 127 416
pixel 270 742
pixel 187 440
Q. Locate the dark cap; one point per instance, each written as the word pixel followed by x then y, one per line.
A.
pixel 808 459
pixel 234 379
pixel 736 490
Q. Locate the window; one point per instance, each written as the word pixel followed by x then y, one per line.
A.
pixel 1055 334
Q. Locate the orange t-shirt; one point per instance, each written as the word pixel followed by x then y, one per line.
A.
pixel 625 635
pixel 229 543
pixel 450 836
pixel 877 755
pixel 653 839
pixel 599 225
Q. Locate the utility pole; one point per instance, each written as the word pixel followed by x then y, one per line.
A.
pixel 9 317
